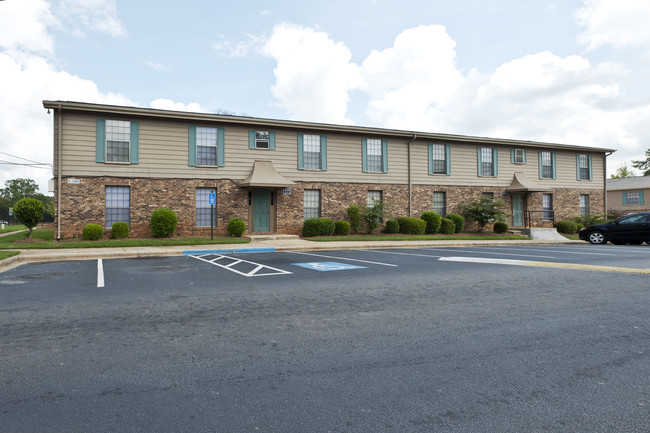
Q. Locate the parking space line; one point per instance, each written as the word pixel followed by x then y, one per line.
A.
pixel 343 258
pixel 500 254
pixel 563 251
pixel 258 271
pixel 402 254
pixel 546 264
pixel 100 273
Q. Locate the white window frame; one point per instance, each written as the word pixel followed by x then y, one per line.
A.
pixel 547 206
pixel 441 209
pixel 584 204
pixel 262 142
pixel 118 131
pixel 547 165
pixel 203 207
pixel 633 197
pixel 374 156
pixel 312 203
pixel 207 137
pixel 519 156
pixel 117 199
pixel 439 158
pixel 311 148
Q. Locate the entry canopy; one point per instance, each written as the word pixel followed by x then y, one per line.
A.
pixel 521 184
pixel 264 175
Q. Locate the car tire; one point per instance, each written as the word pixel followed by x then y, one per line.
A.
pixel 597 238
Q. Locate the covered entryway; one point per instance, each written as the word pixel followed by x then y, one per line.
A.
pixel 519 190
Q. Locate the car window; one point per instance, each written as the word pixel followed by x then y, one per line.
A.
pixel 633 219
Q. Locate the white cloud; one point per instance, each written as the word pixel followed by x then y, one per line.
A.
pixel 253 44
pixel 81 16
pixel 618 23
pixel 157 66
pixel 168 104
pixel 24 27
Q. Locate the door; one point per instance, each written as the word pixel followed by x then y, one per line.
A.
pixel 517 210
pixel 261 210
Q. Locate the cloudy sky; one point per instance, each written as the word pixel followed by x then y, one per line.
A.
pixel 565 71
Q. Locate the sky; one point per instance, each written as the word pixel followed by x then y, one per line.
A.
pixel 561 71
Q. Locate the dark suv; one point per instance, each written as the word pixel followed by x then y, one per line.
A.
pixel 630 229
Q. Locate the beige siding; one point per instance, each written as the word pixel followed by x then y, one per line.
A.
pixel 615 202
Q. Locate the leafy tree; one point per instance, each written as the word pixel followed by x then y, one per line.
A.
pixel 16 189
pixel 484 210
pixel 623 172
pixel 29 212
pixel 643 165
pixel 373 215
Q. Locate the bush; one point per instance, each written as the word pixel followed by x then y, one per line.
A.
pixel 354 215
pixel 433 221
pixel 411 225
pixel 391 227
pixel 566 227
pixel 500 227
pixel 120 230
pixel 447 226
pixel 29 211
pixel 483 210
pixel 92 232
pixel 317 227
pixel 163 222
pixel 236 227
pixel 342 228
pixel 459 221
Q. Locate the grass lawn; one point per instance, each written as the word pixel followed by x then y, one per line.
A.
pixel 7 254
pixel 384 237
pixel 13 228
pixel 44 239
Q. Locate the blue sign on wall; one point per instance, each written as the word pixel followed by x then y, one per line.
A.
pixel 328 266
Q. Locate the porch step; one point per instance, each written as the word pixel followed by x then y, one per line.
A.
pixel 518 232
pixel 271 237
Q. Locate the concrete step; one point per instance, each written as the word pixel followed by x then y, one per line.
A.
pixel 271 237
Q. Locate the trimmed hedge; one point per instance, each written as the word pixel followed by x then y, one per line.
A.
pixel 163 222
pixel 120 230
pixel 342 228
pixel 236 227
pixel 411 225
pixel 391 227
pixel 92 232
pixel 433 221
pixel 447 226
pixel 566 227
pixel 317 227
pixel 459 221
pixel 500 227
pixel 354 215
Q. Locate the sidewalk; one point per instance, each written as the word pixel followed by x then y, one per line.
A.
pixel 50 255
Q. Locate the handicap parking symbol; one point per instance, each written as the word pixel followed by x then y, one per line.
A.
pixel 328 266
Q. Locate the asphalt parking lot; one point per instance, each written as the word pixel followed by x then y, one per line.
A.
pixel 508 339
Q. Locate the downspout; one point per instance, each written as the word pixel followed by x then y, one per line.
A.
pixel 605 180
pixel 58 173
pixel 410 183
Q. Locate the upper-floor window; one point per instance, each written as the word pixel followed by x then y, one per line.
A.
pixel 261 140
pixel 632 197
pixel 583 166
pixel 518 156
pixel 488 158
pixel 206 146
pixel 375 155
pixel 312 152
pixel 117 141
pixel 439 159
pixel 547 165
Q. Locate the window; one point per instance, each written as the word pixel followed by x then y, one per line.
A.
pixel 518 156
pixel 439 204
pixel 117 205
pixel 439 159
pixel 547 206
pixel 547 165
pixel 584 204
pixel 584 167
pixel 203 207
pixel 487 161
pixel 375 155
pixel 373 197
pixel 312 152
pixel 634 197
pixel 312 203
pixel 206 146
pixel 261 140
pixel 117 141
pixel 489 195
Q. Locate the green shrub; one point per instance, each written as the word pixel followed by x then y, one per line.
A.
pixel 411 225
pixel 342 228
pixel 447 226
pixel 433 221
pixel 29 211
pixel 163 222
pixel 354 215
pixel 500 227
pixel 578 227
pixel 392 226
pixel 459 221
pixel 92 232
pixel 120 230
pixel 236 227
pixel 317 227
pixel 566 227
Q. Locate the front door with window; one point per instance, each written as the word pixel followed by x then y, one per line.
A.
pixel 517 210
pixel 261 210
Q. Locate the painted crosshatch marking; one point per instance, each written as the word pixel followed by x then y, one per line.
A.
pixel 328 266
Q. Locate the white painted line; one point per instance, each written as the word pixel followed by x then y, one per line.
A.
pixel 100 273
pixel 567 251
pixel 401 254
pixel 575 266
pixel 342 258
pixel 499 254
pixel 256 272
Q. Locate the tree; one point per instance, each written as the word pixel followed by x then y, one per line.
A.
pixel 16 189
pixel 483 211
pixel 622 172
pixel 28 212
pixel 643 165
pixel 373 214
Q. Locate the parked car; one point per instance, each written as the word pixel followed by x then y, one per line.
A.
pixel 630 229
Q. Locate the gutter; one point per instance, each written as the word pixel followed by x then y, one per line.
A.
pixel 410 183
pixel 58 172
pixel 605 180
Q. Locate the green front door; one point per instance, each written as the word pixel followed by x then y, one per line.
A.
pixel 517 210
pixel 261 210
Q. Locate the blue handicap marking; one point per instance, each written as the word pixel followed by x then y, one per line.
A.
pixel 328 266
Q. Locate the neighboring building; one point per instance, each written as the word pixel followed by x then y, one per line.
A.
pixel 628 195
pixel 116 163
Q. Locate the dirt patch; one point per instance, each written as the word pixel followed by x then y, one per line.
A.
pixel 29 241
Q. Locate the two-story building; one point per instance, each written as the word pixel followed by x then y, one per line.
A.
pixel 114 163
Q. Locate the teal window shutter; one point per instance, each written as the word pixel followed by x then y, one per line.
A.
pixel 272 140
pixel 323 152
pixel 512 156
pixel 134 142
pixel 251 139
pixel 480 167
pixel 591 172
pixel 100 154
pixel 495 162
pixel 221 147
pixel 578 166
pixel 192 146
pixel 364 155
pixel 640 196
pixel 448 159
pixel 384 156
pixel 540 166
pixel 430 159
pixel 524 156
pixel 553 161
pixel 624 198
pixel 301 152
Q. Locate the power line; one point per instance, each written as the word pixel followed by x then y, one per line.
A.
pixel 25 159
